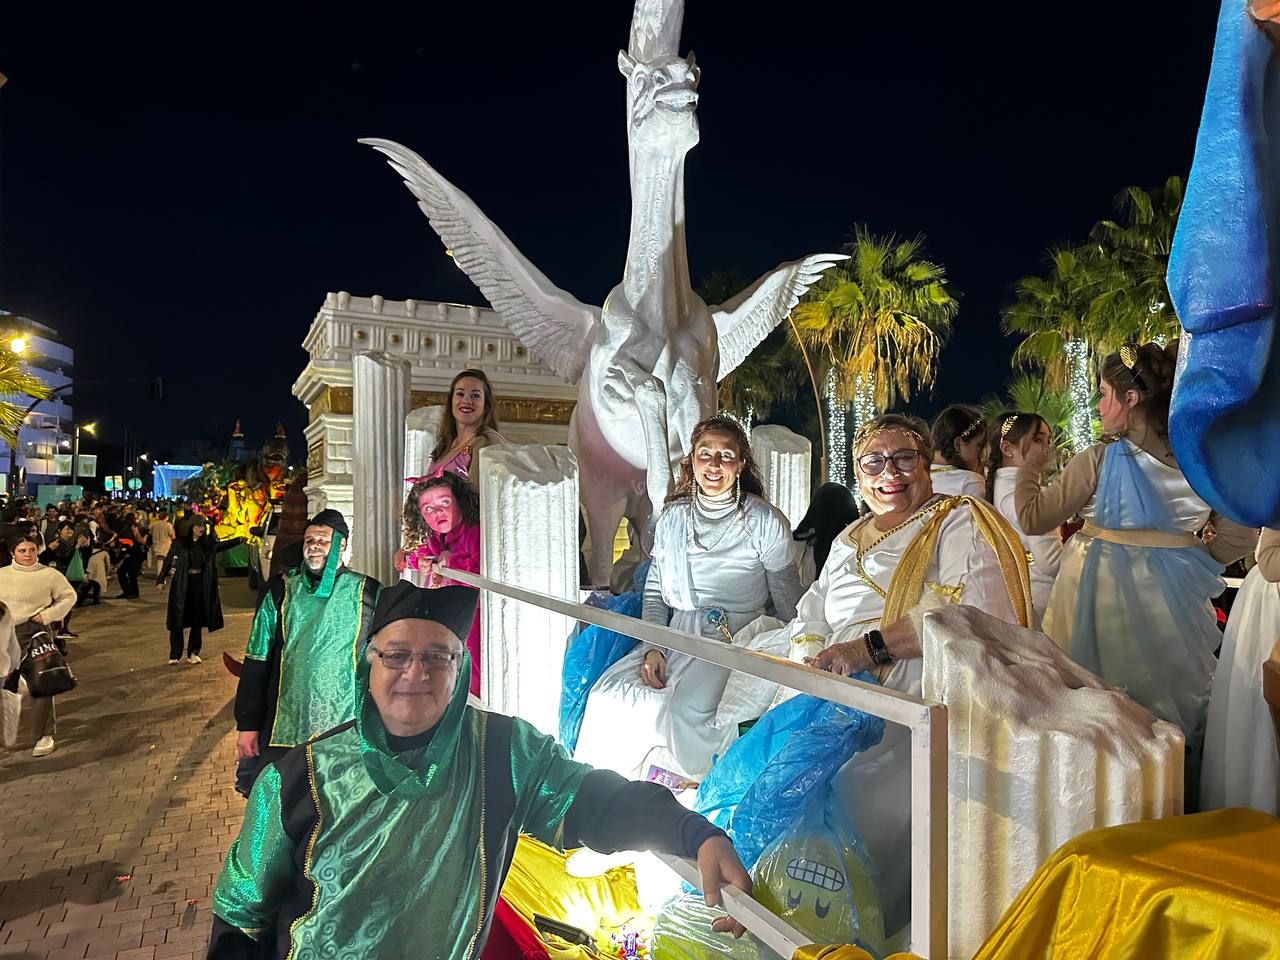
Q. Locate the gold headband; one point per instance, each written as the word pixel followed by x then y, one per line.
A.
pixel 1128 355
pixel 862 440
pixel 1008 425
pixel 967 433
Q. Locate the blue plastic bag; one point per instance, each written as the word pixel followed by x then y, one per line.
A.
pixel 766 780
pixel 590 654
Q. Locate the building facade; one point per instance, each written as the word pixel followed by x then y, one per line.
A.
pixel 438 340
pixel 47 429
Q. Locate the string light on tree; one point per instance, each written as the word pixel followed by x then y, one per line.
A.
pixel 864 400
pixel 1079 429
pixel 837 439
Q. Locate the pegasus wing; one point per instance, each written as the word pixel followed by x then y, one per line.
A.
pixel 552 323
pixel 741 323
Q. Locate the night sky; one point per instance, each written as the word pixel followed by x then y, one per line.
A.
pixel 180 190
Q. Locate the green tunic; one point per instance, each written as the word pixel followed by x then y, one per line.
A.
pixel 351 851
pixel 318 641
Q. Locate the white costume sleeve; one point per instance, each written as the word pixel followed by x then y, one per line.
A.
pixel 966 561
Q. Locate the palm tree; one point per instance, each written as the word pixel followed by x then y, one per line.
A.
pixel 1053 315
pixel 1131 254
pixel 15 382
pixel 871 330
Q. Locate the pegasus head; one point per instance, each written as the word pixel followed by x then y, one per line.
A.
pixel 662 97
pixel 662 86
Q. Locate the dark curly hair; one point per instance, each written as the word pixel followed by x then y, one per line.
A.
pixel 748 477
pixel 1020 425
pixel 956 422
pixel 416 531
pixel 1151 377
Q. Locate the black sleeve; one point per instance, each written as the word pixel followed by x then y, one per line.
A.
pixel 168 564
pixel 611 814
pixel 231 943
pixel 259 679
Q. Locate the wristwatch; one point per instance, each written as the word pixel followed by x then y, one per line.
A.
pixel 876 649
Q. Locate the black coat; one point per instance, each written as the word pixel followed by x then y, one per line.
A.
pixel 178 560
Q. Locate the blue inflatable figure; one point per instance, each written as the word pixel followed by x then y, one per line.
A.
pixel 1225 417
pixel 590 654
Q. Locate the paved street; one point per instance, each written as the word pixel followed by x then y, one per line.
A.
pixel 110 846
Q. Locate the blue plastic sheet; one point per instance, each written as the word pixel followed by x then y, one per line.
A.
pixel 590 654
pixel 766 780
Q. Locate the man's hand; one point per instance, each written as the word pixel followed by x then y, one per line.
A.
pixel 654 669
pixel 247 744
pixel 719 865
pixel 845 659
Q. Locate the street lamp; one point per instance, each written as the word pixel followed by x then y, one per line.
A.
pixel 75 451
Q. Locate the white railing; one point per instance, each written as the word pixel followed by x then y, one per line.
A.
pixel 927 722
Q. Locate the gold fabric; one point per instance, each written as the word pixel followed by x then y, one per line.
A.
pixel 818 951
pixel 908 581
pixel 1201 887
pixel 1140 538
pixel 602 906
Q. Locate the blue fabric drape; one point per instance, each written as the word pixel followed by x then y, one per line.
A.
pixel 1142 619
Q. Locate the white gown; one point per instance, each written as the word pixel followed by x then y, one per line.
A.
pixel 629 726
pixel 1044 551
pixel 842 605
pixel 956 482
pixel 1240 759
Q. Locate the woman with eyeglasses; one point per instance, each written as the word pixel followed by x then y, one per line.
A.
pixel 1131 602
pixel 721 557
pixel 916 550
pixel 958 434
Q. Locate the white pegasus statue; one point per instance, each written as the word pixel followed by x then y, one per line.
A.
pixel 648 362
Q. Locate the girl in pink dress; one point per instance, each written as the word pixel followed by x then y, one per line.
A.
pixel 442 529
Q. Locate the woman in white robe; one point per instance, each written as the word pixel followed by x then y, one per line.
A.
pixel 721 556
pixel 1131 602
pixel 958 435
pixel 951 551
pixel 1013 437
pixel 1241 765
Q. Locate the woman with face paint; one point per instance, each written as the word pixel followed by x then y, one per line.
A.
pixel 1131 602
pixel 442 529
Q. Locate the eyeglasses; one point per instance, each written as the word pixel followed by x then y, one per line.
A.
pixel 399 660
pixel 904 461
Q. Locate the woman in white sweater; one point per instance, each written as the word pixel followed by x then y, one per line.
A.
pixel 38 597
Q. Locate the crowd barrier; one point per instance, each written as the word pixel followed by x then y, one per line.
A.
pixel 927 722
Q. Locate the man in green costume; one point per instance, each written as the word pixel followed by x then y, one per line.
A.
pixel 390 836
pixel 308 636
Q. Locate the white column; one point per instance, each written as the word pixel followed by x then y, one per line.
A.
pixel 529 537
pixel 786 462
pixel 380 400
pixel 421 427
pixel 1041 750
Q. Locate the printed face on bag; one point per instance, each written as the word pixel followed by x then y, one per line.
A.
pixel 315 546
pixel 716 462
pixel 26 554
pixel 439 509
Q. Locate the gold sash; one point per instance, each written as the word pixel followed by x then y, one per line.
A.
pixel 908 581
pixel 1140 538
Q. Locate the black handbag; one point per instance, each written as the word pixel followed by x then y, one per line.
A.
pixel 45 668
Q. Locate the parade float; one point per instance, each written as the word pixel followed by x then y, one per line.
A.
pixel 1046 806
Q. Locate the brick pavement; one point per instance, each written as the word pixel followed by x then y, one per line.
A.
pixel 140 787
